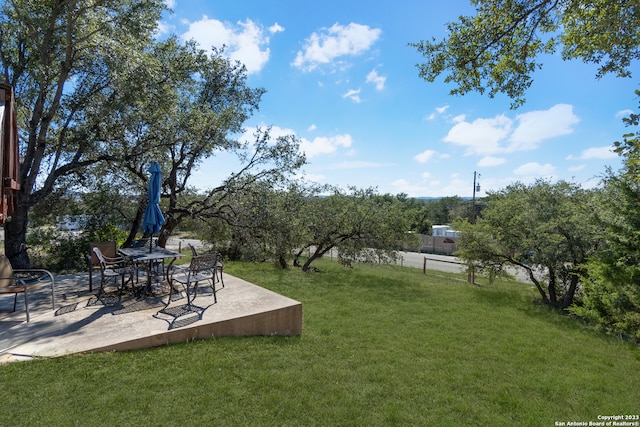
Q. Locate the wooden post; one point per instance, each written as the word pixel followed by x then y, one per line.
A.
pixel 424 266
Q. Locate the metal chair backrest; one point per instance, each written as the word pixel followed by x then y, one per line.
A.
pixel 219 259
pixel 106 248
pixel 102 262
pixel 202 263
pixel 194 251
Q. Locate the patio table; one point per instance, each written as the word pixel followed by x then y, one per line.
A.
pixel 148 258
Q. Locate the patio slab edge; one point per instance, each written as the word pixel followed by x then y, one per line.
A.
pixel 284 321
pixel 243 309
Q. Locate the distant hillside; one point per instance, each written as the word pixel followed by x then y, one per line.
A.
pixel 428 199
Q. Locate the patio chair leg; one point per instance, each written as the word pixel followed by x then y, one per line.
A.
pixel 26 304
pixel 170 293
pixel 100 290
pixel 189 299
pixel 221 279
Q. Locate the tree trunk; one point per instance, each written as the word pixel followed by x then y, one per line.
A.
pixel 319 253
pixel 296 259
pixel 135 225
pixel 553 298
pixel 15 235
pixel 282 261
pixel 171 222
pixel 307 265
pixel 568 297
pixel 535 281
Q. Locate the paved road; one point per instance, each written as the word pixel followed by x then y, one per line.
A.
pixel 175 243
pixel 445 263
pixel 449 264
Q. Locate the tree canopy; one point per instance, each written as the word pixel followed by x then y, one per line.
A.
pixel 64 60
pixel 360 224
pixel 99 98
pixel 544 228
pixel 612 283
pixel 499 48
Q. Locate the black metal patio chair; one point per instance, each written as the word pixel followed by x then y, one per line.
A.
pixel 201 269
pixel 23 281
pixel 114 268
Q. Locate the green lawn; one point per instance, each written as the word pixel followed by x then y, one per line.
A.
pixel 380 346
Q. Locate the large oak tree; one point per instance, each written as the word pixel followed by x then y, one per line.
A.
pixel 64 58
pixel 100 98
pixel 546 229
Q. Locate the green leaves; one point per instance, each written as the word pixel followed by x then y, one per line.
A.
pixel 497 49
pixel 543 227
pixel 612 282
pixel 629 147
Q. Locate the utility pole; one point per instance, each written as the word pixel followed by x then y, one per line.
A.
pixel 473 202
pixel 471 276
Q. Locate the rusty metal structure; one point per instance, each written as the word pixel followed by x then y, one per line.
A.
pixel 9 156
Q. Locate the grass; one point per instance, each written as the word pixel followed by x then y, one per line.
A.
pixel 380 346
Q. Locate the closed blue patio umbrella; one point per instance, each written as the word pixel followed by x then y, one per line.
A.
pixel 153 219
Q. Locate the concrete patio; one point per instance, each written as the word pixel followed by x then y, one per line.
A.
pixel 82 323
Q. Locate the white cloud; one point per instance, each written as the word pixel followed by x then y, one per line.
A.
pixel 456 186
pixel 592 183
pixel 433 187
pixel 488 136
pixel 600 153
pixel 490 161
pixel 535 169
pixel 276 28
pixel 324 145
pixel 163 28
pixel 577 168
pixel 245 42
pixel 353 94
pixel 170 3
pixel 376 79
pixel 338 41
pixel 425 156
pixel 318 178
pixel 623 113
pixel 482 136
pixel 536 126
pixel 411 189
pixel 312 128
pixel 248 136
pixel 439 111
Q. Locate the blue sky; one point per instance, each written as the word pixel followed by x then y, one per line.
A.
pixel 341 77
